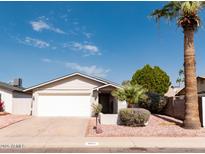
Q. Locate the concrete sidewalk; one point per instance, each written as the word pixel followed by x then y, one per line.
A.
pixel 107 144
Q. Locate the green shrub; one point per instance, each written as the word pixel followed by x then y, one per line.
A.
pixel 133 117
pixel 155 103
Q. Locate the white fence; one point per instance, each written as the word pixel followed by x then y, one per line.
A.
pixel 203 111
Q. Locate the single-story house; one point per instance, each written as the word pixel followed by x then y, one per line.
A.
pixel 70 95
pixel 200 88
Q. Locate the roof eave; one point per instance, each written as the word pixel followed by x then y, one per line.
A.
pixel 107 85
pixel 64 77
pixel 10 87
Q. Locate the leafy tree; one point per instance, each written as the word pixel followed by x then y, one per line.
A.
pixel 187 15
pixel 130 93
pixel 152 78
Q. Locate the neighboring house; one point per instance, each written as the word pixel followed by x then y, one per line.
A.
pixel 176 102
pixel 172 91
pixel 70 95
pixel 15 100
pixel 200 87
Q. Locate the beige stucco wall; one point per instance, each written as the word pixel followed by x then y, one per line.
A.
pixel 6 97
pixel 121 105
pixel 71 84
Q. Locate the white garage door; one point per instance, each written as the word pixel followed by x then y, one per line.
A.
pixel 64 105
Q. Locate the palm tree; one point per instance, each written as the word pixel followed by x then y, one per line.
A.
pixel 187 15
pixel 130 93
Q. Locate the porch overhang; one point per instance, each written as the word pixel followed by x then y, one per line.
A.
pixel 105 86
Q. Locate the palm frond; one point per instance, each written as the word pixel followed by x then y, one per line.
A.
pixel 169 11
pixel 190 8
pixel 130 93
pixel 189 22
pixel 202 3
pixel 185 12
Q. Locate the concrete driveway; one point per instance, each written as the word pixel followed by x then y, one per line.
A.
pixel 47 127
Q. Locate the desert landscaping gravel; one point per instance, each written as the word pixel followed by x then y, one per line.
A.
pixel 159 125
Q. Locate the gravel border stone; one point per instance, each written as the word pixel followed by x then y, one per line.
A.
pixel 159 125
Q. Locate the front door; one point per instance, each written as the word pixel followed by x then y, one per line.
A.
pixel 104 100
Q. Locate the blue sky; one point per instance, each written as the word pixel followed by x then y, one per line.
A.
pixel 44 40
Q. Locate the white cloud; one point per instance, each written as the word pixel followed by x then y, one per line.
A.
pixel 88 49
pixel 35 42
pixel 46 60
pixel 57 30
pixel 40 25
pixel 90 70
pixel 87 35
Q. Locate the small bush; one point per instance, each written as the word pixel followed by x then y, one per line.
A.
pixel 155 103
pixel 97 108
pixel 133 117
pixel 1 106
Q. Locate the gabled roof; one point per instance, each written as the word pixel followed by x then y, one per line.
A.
pixel 201 77
pixel 107 85
pixel 71 75
pixel 182 91
pixel 10 87
pixel 172 91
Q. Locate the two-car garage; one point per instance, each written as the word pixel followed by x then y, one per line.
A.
pixel 64 105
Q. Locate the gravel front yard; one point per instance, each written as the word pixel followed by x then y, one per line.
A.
pixel 158 126
pixel 6 120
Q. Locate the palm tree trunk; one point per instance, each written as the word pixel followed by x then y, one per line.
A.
pixel 191 96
